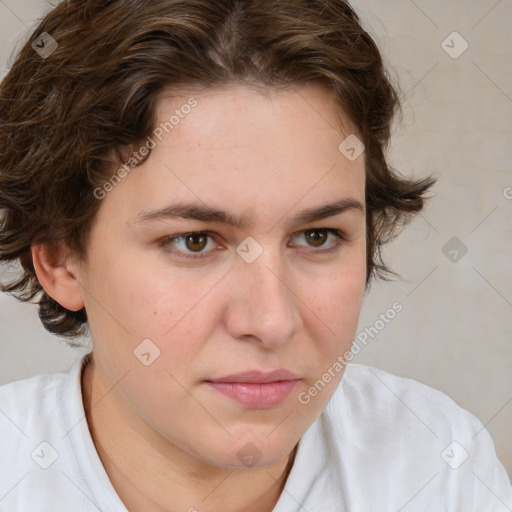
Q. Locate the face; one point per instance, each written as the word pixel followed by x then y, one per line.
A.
pixel 179 299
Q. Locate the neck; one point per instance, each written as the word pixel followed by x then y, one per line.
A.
pixel 150 474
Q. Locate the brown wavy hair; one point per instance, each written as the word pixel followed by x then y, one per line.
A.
pixel 63 114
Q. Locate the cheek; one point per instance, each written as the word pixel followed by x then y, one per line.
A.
pixel 335 310
pixel 144 297
pixel 170 305
pixel 339 294
pixel 331 330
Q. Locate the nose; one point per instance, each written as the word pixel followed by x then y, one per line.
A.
pixel 262 304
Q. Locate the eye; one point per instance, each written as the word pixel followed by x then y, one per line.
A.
pixel 194 245
pixel 190 245
pixel 318 237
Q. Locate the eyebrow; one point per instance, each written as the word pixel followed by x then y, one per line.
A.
pixel 208 214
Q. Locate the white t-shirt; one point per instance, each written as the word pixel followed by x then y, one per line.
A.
pixel 383 444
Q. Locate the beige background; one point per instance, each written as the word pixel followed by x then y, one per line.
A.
pixel 455 331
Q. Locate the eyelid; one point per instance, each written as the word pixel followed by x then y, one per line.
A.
pixel 330 231
pixel 339 235
pixel 166 241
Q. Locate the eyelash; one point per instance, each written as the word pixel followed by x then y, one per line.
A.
pixel 165 242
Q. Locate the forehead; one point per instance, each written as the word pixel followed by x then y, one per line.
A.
pixel 242 128
pixel 295 109
pixel 261 151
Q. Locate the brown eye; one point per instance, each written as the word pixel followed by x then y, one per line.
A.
pixel 316 237
pixel 190 245
pixel 321 240
pixel 196 242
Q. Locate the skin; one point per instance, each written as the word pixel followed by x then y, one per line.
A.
pixel 167 440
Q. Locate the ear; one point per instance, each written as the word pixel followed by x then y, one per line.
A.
pixel 56 270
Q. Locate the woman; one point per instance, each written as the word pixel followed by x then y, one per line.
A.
pixel 202 187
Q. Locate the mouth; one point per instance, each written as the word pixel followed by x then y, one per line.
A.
pixel 255 395
pixel 256 389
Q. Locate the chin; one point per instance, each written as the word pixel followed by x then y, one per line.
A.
pixel 251 452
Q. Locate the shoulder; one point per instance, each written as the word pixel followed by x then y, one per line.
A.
pixel 47 453
pixel 29 409
pixel 37 383
pixel 401 435
pixel 36 410
pixel 372 392
pixel 19 399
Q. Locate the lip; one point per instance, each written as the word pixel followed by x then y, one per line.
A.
pixel 256 395
pixel 256 389
pixel 259 377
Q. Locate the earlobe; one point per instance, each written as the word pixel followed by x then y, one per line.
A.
pixel 55 270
